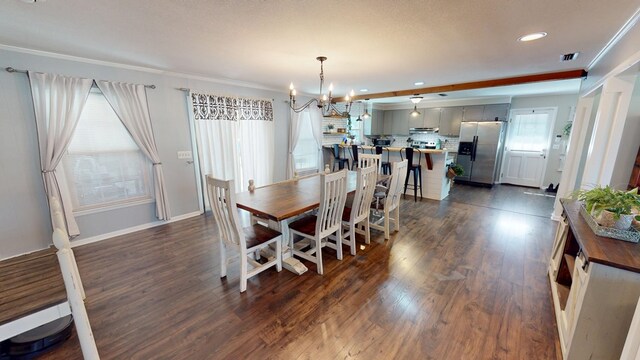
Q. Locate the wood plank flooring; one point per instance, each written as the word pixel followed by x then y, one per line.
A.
pixel 459 281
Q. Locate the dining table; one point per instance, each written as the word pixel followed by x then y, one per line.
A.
pixel 282 202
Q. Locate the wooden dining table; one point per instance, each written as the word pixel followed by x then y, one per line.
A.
pixel 281 202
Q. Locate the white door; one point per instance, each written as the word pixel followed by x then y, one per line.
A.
pixel 526 146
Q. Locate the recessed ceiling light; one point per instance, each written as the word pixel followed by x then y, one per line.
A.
pixel 532 36
pixel 364 90
pixel 418 83
pixel 33 1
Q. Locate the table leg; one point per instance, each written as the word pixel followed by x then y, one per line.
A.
pixel 288 262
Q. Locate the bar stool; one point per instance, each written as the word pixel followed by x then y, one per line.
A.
pixel 337 159
pixel 354 156
pixel 417 174
pixel 386 165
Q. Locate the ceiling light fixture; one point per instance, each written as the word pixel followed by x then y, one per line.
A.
pixel 366 114
pixel 418 83
pixel 364 90
pixel 532 36
pixel 324 102
pixel 415 100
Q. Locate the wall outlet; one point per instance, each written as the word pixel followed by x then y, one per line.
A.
pixel 185 155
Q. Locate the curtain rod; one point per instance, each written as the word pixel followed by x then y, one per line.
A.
pixel 236 96
pixel 12 70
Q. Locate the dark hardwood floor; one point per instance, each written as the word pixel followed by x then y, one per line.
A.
pixel 459 281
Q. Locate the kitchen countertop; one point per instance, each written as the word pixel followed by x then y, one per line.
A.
pixel 398 149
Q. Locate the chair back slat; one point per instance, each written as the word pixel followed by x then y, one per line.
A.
pixel 223 206
pixel 365 187
pixel 333 194
pixel 409 153
pixel 399 174
pixel 367 160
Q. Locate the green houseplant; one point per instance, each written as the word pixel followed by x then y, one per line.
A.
pixel 611 207
pixel 454 170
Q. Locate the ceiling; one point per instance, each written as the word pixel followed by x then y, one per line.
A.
pixel 380 45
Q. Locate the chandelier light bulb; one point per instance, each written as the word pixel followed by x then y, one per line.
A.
pixel 291 86
pixel 293 92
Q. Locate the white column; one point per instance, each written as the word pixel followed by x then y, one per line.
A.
pixel 576 147
pixel 608 130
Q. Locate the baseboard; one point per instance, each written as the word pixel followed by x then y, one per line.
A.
pixel 93 239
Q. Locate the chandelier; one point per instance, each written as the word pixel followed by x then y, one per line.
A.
pixel 324 102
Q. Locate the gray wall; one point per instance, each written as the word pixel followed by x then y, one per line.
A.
pixel 24 221
pixel 563 103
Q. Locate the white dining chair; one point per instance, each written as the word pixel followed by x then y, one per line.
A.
pixel 365 160
pixel 328 221
pixel 247 241
pixel 358 213
pixel 391 203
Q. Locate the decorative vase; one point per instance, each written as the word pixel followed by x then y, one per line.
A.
pixel 607 219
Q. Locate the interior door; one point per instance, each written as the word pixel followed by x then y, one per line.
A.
pixel 525 152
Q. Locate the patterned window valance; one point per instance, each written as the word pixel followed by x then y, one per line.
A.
pixel 213 107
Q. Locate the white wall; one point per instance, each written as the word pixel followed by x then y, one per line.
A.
pixel 630 142
pixel 564 104
pixel 24 221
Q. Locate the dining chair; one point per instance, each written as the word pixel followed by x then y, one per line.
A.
pixel 337 159
pixel 328 220
pixel 358 213
pixel 366 160
pixel 391 203
pixel 246 241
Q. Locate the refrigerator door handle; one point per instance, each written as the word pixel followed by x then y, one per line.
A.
pixel 475 147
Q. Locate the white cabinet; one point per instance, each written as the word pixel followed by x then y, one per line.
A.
pixel 595 285
pixel 496 112
pixel 387 122
pixel 400 122
pixel 374 125
pixel 473 113
pixel 417 121
pixel 450 119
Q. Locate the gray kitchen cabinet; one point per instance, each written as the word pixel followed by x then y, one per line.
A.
pixel 417 121
pixel 400 124
pixel 496 111
pixel 377 123
pixel 473 113
pixel 387 122
pixel 432 117
pixel 450 120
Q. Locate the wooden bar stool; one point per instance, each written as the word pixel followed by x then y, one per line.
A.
pixel 417 174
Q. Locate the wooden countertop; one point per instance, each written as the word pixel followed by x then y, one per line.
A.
pixel 611 252
pixel 398 149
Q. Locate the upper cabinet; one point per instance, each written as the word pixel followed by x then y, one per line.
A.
pixel 492 112
pixel 374 125
pixel 431 118
pixel 416 121
pixel 450 119
pixel 400 122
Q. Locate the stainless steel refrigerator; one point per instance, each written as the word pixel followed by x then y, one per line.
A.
pixel 480 151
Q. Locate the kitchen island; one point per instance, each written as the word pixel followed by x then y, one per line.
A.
pixel 435 184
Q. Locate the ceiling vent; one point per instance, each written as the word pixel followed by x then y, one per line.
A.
pixel 569 57
pixel 443 94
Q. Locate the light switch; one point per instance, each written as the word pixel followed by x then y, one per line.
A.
pixel 556 146
pixel 185 155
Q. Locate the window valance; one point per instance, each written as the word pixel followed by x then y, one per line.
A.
pixel 215 107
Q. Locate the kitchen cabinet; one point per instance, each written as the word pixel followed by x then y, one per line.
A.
pixel 417 121
pixel 595 285
pixel 473 113
pixel 374 126
pixel 486 112
pixel 396 122
pixel 495 111
pixel 450 119
pixel 432 117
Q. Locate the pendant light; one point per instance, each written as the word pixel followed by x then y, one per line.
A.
pixel 415 100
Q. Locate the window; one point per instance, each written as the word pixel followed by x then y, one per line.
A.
pixel 306 151
pixel 529 132
pixel 103 165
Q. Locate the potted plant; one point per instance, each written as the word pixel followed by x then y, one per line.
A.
pixel 610 207
pixel 454 170
pixel 330 127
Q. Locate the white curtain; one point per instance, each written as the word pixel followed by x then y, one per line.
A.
pixel 294 135
pixel 256 151
pixel 235 138
pixel 316 127
pixel 58 102
pixel 129 101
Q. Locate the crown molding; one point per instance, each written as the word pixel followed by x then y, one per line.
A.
pixel 633 20
pixel 145 69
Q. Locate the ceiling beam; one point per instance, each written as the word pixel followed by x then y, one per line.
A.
pixel 516 80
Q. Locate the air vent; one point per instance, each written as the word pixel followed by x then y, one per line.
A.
pixel 443 95
pixel 569 57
